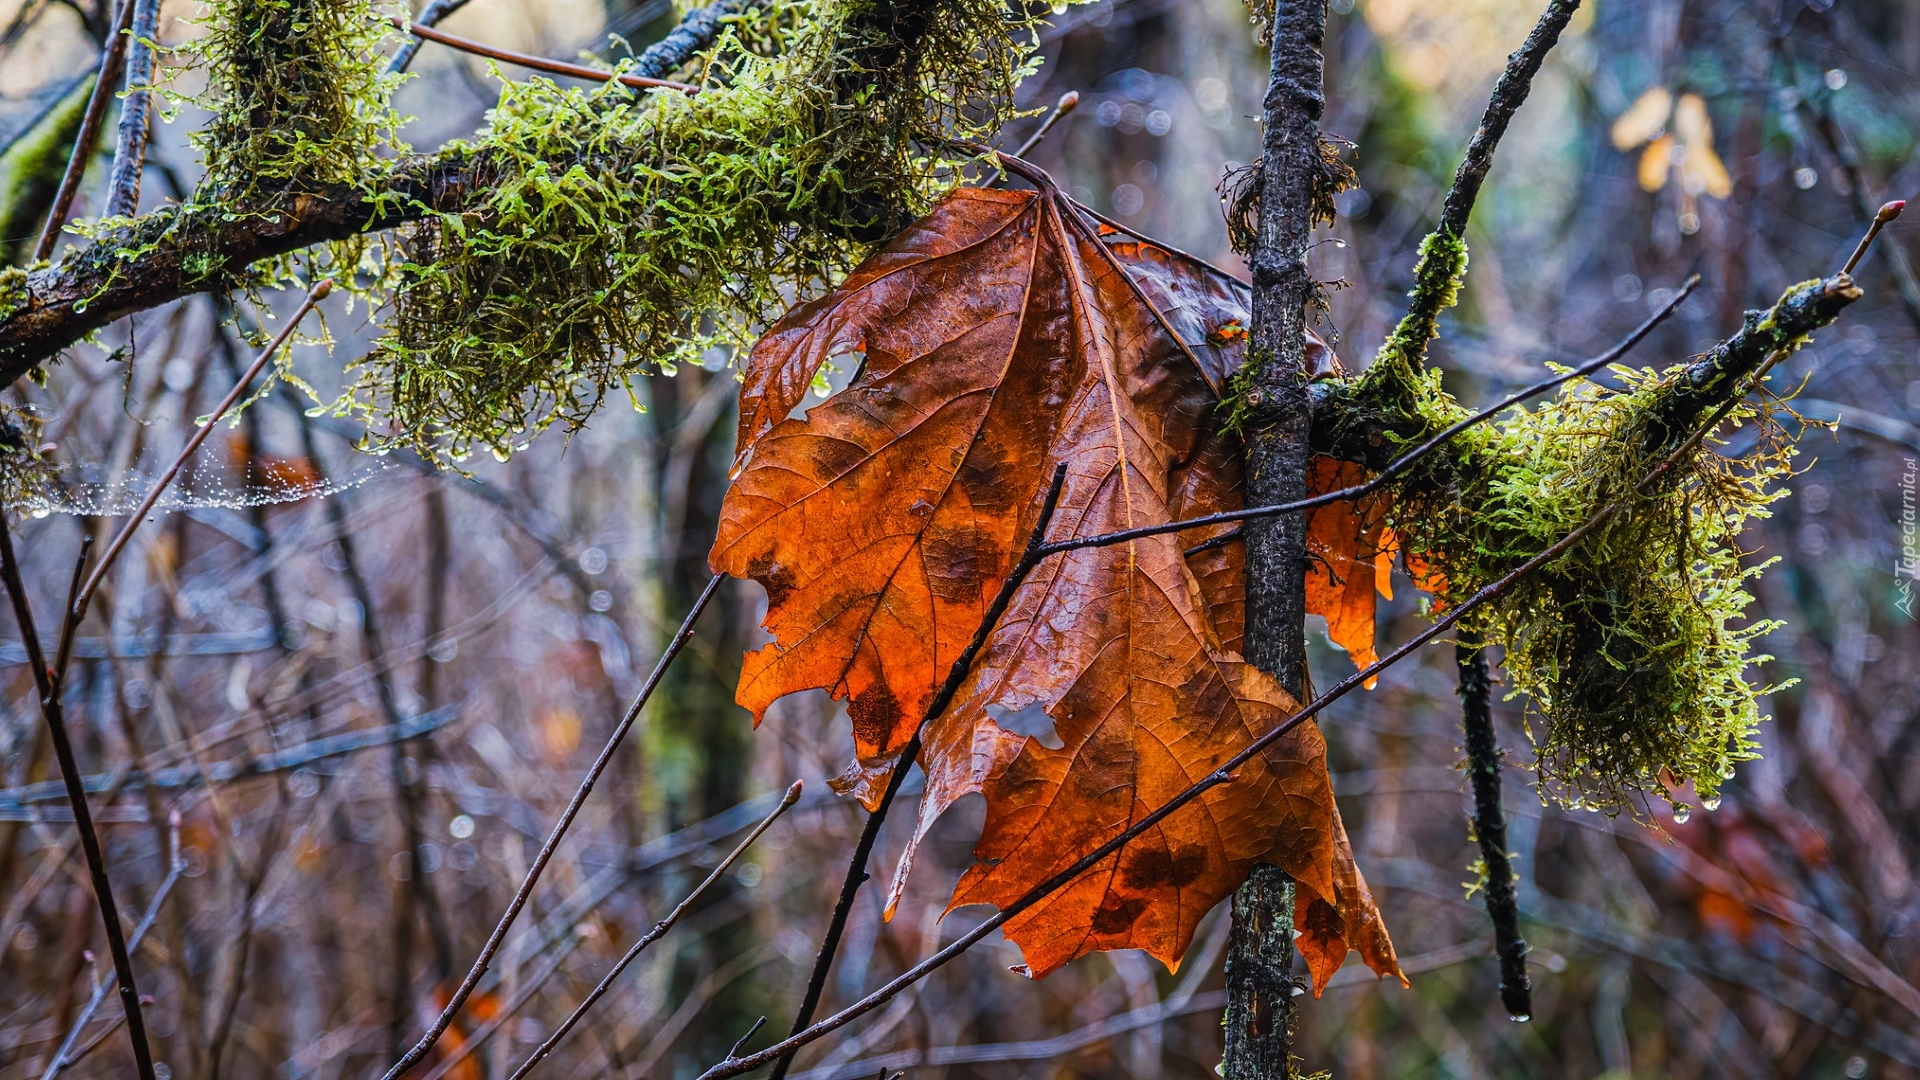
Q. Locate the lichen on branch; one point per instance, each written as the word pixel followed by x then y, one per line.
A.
pixel 300 95
pixel 619 233
pixel 1632 650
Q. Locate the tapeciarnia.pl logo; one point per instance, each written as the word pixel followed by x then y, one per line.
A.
pixel 1906 572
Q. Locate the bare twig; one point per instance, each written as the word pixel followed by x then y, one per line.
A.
pixel 48 682
pixel 1067 103
pixel 413 1056
pixel 65 1057
pixel 429 16
pixel 1885 215
pixel 1515 83
pixel 870 832
pixel 226 772
pixel 130 146
pixel 659 930
pixel 110 62
pixel 1407 460
pixel 540 63
pixel 1490 826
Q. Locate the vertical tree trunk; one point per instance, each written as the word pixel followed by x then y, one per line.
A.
pixel 1259 1017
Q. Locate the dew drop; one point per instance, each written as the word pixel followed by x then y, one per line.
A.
pixel 1681 813
pixel 1710 804
pixel 501 453
pixel 1520 1018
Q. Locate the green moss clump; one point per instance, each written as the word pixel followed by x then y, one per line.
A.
pixel 27 477
pixel 300 97
pixel 617 233
pixel 1632 649
pixel 13 291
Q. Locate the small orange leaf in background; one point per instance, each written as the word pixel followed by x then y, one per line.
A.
pixel 1004 333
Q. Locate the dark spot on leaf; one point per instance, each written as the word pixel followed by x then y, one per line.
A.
pixel 875 714
pixel 1156 868
pixel 777 579
pixel 1117 916
pixel 1322 922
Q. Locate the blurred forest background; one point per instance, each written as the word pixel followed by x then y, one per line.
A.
pixel 364 689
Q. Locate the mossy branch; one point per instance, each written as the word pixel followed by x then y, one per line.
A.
pixel 1631 648
pixel 180 251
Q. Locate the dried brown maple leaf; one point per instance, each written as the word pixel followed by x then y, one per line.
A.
pixel 997 336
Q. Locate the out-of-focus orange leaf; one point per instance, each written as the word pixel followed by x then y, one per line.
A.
pixel 1655 163
pixel 287 474
pixel 1644 121
pixel 1003 333
pixel 1701 171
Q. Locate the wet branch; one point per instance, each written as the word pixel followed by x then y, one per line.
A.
pixel 658 931
pixel 110 63
pixel 1490 826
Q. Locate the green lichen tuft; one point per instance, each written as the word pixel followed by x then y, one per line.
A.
pixel 13 291
pixel 620 233
pixel 1436 287
pixel 1632 650
pixel 27 476
pixel 300 97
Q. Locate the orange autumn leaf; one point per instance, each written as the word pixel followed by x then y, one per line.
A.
pixel 1001 334
pixel 1347 558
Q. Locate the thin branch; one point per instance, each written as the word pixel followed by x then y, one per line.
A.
pixel 1515 83
pixel 1061 1046
pixel 222 772
pixel 110 63
pixel 78 610
pixel 1490 826
pixel 735 1066
pixel 520 897
pixel 540 63
pixel 1067 103
pixel 49 683
pixel 870 832
pixel 65 1057
pixel 130 146
pixel 429 16
pixel 1881 219
pixel 659 931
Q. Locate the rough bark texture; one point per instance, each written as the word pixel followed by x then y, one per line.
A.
pixel 1260 951
pixel 1490 827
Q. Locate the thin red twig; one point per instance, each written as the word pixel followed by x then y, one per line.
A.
pixel 539 63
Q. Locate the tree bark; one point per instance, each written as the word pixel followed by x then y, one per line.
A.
pixel 1260 988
